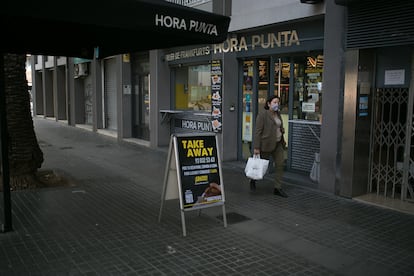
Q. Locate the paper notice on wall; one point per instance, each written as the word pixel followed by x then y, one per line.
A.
pixel 364 88
pixel 394 77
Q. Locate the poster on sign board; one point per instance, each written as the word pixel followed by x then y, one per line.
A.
pixel 193 174
pixel 199 170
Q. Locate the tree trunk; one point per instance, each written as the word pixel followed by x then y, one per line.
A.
pixel 25 155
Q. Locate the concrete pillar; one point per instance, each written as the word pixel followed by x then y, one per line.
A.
pixel 332 106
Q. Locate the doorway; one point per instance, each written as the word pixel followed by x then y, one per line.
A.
pixel 141 96
pixel 110 95
pixel 257 78
pixel 392 141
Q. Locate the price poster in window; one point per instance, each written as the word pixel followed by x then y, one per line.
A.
pixel 199 170
pixel 216 81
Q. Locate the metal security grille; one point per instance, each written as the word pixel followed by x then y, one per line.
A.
pixel 305 143
pixel 390 142
pixel 379 23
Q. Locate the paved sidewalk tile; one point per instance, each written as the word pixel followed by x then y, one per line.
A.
pixel 107 223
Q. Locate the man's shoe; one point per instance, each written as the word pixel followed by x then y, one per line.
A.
pixel 279 192
pixel 252 185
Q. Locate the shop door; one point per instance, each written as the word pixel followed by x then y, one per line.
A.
pixel 140 108
pixel 249 85
pixel 281 88
pixel 256 87
pixel 110 95
pixel 392 136
pixel 140 96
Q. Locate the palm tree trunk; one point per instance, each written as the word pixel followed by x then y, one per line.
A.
pixel 25 155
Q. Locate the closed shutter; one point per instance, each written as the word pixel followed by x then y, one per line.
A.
pixel 88 100
pixel 380 23
pixel 110 94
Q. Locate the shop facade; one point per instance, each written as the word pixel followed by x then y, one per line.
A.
pixel 286 58
pixel 221 88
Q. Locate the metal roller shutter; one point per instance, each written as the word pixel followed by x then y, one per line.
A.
pixel 380 23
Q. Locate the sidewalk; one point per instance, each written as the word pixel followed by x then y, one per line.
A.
pixel 107 222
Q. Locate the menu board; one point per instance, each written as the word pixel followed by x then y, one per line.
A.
pixel 216 108
pixel 199 170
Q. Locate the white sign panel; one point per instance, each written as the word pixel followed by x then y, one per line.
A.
pixel 308 107
pixel 394 77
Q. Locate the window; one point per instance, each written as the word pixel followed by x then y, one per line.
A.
pixel 308 88
pixel 193 88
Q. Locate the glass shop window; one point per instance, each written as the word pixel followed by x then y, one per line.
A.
pixel 193 88
pixel 308 88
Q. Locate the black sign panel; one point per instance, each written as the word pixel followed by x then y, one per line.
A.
pixel 199 170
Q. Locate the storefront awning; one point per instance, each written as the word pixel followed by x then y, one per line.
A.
pixel 76 27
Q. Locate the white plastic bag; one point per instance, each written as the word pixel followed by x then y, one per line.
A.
pixel 256 168
pixel 314 173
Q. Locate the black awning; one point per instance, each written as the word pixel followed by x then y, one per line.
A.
pixel 76 27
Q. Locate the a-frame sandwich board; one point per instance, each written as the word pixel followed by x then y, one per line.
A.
pixel 193 174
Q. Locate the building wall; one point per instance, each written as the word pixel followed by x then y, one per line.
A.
pixel 250 14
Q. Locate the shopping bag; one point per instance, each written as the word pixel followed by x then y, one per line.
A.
pixel 314 173
pixel 256 167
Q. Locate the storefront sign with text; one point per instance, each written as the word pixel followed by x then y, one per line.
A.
pixel 286 38
pixel 193 125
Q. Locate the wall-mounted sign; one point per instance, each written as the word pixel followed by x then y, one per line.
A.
pixel 216 108
pixel 394 77
pixel 271 40
pixel 282 39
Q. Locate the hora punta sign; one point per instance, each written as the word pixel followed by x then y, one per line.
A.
pixel 191 25
pixel 282 39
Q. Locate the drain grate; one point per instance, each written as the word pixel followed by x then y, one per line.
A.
pixel 233 218
pixel 65 148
